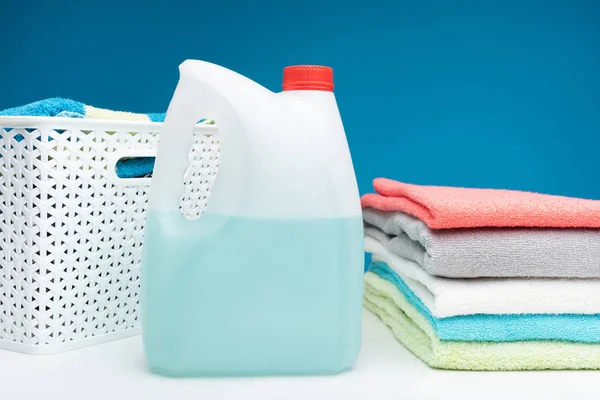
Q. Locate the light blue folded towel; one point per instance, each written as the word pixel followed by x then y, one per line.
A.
pixel 500 328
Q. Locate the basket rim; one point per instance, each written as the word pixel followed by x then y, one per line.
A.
pixel 89 123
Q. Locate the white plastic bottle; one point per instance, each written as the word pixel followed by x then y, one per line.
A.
pixel 269 279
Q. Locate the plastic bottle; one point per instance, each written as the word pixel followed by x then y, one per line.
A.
pixel 269 279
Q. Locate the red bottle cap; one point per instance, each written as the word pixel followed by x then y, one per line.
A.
pixel 308 77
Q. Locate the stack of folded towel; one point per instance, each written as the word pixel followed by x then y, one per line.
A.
pixel 483 279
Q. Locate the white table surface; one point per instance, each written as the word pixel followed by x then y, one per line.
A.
pixel 384 370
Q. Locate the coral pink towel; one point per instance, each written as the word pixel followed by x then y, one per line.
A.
pixel 450 207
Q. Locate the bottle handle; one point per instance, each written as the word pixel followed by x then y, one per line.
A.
pixel 192 101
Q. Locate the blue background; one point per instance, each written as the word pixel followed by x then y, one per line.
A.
pixel 471 93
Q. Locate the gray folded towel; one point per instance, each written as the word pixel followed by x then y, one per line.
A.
pixel 488 252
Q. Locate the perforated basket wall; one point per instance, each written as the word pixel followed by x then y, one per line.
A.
pixel 71 231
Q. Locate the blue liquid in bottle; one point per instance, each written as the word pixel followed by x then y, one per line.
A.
pixel 229 295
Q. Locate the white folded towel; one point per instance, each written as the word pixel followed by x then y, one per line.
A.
pixel 449 297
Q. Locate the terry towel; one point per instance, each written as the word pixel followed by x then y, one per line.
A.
pixel 415 332
pixel 447 207
pixel 59 107
pixel 449 297
pixel 499 327
pixel 488 252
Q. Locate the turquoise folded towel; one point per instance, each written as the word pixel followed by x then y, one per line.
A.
pixel 500 328
pixel 59 107
pixel 135 167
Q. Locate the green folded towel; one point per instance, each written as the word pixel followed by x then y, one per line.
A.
pixel 415 332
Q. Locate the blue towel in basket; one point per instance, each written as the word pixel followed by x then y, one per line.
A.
pixel 59 107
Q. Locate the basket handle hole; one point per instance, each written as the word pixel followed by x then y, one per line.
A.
pixel 134 167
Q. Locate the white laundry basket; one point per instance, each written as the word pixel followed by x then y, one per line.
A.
pixel 71 231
